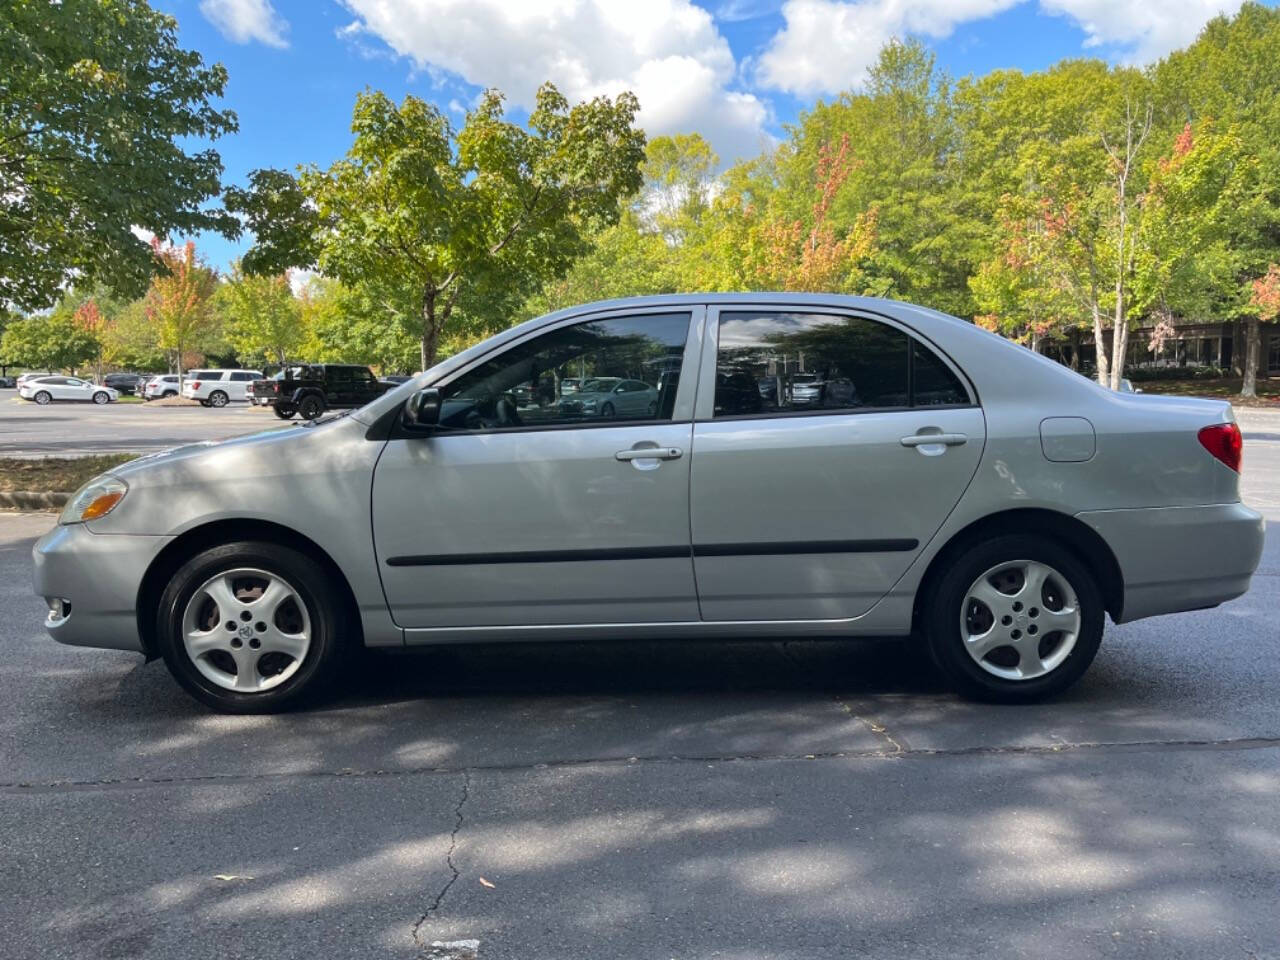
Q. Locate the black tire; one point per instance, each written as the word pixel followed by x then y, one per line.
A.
pixel 941 618
pixel 607 411
pixel 168 393
pixel 204 403
pixel 310 407
pixel 653 408
pixel 323 660
pixel 101 397
pixel 218 399
pixel 42 397
pixel 284 411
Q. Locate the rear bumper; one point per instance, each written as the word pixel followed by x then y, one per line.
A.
pixel 99 575
pixel 1181 558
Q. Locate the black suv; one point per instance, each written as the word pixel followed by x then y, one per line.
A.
pixel 309 389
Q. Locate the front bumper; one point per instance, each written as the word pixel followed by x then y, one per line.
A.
pixel 99 576
pixel 1181 558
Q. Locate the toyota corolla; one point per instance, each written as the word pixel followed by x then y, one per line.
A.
pixel 959 491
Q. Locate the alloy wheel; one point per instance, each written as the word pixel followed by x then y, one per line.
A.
pixel 246 630
pixel 1020 620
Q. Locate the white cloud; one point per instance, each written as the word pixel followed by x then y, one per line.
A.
pixel 242 21
pixel 1147 30
pixel 827 45
pixel 668 52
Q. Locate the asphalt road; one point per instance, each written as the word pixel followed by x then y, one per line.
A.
pixel 681 800
pixel 73 429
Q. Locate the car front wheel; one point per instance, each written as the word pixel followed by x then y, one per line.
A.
pixel 251 627
pixel 100 397
pixel 1015 619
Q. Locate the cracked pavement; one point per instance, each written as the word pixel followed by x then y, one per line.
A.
pixel 681 800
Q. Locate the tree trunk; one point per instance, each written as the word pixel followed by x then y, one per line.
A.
pixel 1119 339
pixel 1075 349
pixel 1253 349
pixel 430 331
pixel 1100 349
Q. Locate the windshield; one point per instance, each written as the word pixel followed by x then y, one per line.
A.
pixel 603 385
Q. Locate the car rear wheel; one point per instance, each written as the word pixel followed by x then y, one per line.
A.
pixel 100 397
pixel 251 627
pixel 218 399
pixel 310 407
pixel 284 411
pixel 1014 619
pixel 42 397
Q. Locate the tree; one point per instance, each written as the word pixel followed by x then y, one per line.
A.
pixel 52 341
pixel 132 342
pixel 99 102
pixel 352 326
pixel 1265 300
pixel 180 301
pixel 452 218
pixel 262 316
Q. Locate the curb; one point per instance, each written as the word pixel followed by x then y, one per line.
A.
pixel 34 500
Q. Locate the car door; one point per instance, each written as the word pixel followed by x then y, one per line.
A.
pixel 810 504
pixel 545 513
pixel 73 388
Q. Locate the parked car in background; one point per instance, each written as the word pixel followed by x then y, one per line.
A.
pixel 971 493
pixel 157 388
pixel 217 388
pixel 609 397
pixel 125 383
pixel 8 383
pixel 394 379
pixel 309 389
pixel 42 390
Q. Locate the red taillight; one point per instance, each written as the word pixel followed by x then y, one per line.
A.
pixel 276 386
pixel 1223 440
pixel 195 384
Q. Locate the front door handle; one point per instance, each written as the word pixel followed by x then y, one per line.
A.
pixel 649 453
pixel 946 439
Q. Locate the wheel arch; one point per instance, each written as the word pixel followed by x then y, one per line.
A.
pixel 217 532
pixel 1075 535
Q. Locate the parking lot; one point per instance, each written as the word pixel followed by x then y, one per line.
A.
pixel 72 429
pixel 681 800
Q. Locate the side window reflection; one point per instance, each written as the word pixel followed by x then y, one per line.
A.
pixel 615 369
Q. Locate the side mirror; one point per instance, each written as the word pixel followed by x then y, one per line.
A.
pixel 422 410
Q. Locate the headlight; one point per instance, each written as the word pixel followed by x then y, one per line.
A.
pixel 94 500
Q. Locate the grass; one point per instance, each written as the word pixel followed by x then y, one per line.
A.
pixel 1227 388
pixel 61 475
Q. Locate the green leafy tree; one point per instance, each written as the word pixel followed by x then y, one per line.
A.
pixel 48 341
pixel 99 103
pixel 131 341
pixel 262 318
pixel 452 218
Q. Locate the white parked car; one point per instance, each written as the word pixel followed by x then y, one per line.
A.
pixel 217 388
pixel 44 389
pixel 165 385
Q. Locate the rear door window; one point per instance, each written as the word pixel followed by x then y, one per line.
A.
pixel 781 362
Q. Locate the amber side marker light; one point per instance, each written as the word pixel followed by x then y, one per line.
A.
pixel 100 506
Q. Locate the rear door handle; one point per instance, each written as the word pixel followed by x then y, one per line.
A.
pixel 650 453
pixel 946 439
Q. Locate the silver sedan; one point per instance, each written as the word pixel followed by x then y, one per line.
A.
pixel 958 491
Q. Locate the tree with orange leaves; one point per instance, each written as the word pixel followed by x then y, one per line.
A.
pixel 1265 301
pixel 180 299
pixel 812 254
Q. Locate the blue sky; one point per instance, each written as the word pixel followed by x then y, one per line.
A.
pixel 735 70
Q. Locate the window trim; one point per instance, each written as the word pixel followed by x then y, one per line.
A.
pixel 686 395
pixel 705 409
